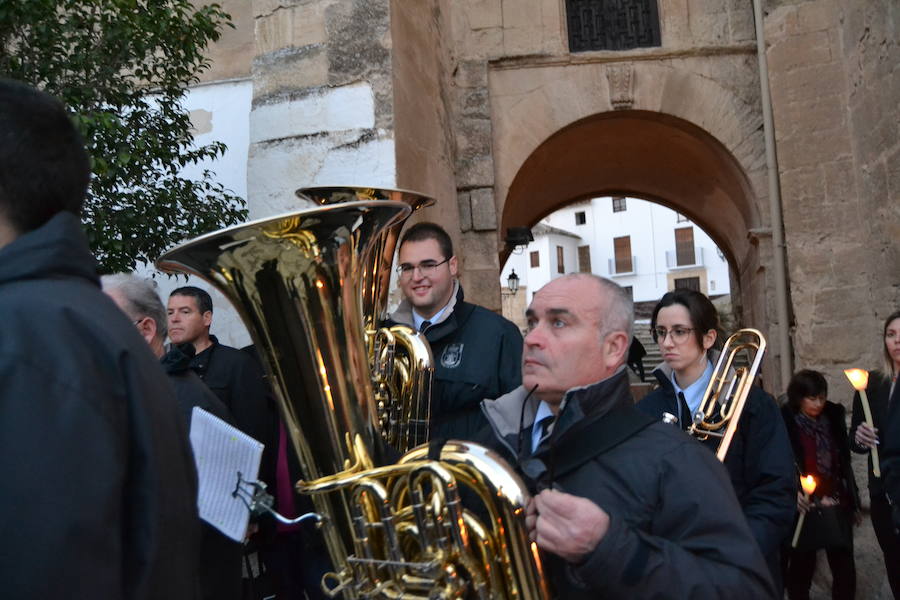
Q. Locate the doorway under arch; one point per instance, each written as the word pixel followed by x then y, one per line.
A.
pixel 661 158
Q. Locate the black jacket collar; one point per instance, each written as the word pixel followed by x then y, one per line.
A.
pixel 56 249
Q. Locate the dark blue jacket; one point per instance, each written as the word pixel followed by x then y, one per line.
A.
pixel 477 355
pixel 889 435
pixel 759 461
pixel 99 494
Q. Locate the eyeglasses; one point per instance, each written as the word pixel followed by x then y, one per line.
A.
pixel 678 334
pixel 426 268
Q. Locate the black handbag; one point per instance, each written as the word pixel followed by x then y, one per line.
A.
pixel 826 527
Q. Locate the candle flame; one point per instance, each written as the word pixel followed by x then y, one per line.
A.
pixel 859 378
pixel 809 484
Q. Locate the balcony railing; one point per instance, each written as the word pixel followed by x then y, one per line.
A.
pixel 614 273
pixel 672 259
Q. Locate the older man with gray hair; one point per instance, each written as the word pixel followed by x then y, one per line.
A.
pixel 220 557
pixel 626 506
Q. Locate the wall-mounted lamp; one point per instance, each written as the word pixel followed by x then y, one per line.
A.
pixel 518 237
pixel 512 282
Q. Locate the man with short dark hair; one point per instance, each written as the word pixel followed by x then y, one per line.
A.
pixel 99 494
pixel 477 353
pixel 231 374
pixel 628 507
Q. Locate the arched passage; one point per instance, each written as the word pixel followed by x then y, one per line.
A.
pixel 654 156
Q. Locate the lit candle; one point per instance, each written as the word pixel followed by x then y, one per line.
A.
pixel 808 484
pixel 859 379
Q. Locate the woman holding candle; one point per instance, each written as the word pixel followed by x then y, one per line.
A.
pixel 878 391
pixel 818 433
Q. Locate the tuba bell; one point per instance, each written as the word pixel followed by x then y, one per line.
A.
pixel 728 389
pixel 392 530
pixel 400 359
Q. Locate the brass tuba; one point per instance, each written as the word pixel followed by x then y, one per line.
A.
pixel 400 358
pixel 393 531
pixel 726 394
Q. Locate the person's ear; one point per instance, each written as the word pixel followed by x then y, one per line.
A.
pixel 207 318
pixel 454 265
pixel 147 328
pixel 709 339
pixel 616 347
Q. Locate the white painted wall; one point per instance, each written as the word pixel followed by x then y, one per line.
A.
pixel 229 105
pixel 325 138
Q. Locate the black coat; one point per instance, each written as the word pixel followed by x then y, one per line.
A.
pixel 190 391
pixel 890 454
pixel 237 379
pixel 99 493
pixel 219 560
pixel 477 355
pixel 675 528
pixel 759 462
pixel 837 424
pixel 877 392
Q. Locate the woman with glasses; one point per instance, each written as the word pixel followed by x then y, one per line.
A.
pixel 818 432
pixel 685 325
pixel 881 386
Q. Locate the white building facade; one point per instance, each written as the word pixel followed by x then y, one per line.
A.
pixel 643 246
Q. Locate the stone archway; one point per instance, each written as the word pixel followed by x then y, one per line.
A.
pixel 660 158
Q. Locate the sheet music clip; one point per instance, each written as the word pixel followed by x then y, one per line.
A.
pixel 254 496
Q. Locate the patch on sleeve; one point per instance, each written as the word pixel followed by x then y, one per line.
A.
pixel 452 355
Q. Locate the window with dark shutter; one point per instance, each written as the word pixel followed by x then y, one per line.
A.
pixel 612 24
pixel 535 259
pixel 684 247
pixel 622 248
pixel 560 262
pixel 584 259
pixel 688 283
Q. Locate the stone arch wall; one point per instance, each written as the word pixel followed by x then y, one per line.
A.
pixel 667 134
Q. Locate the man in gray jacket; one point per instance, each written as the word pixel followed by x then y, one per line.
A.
pixel 627 507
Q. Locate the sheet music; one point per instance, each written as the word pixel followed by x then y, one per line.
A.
pixel 220 452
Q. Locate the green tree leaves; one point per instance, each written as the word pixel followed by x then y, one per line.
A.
pixel 122 68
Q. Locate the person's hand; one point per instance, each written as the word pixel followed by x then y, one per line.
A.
pixel 866 436
pixel 828 501
pixel 565 525
pixel 803 503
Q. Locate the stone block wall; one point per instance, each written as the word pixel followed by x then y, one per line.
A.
pixel 834 71
pixel 323 106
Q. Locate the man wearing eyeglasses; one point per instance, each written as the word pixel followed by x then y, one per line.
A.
pixel 477 353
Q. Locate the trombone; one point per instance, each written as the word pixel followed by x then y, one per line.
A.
pixel 728 390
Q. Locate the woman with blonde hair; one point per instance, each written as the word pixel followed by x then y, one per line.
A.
pixel 863 438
